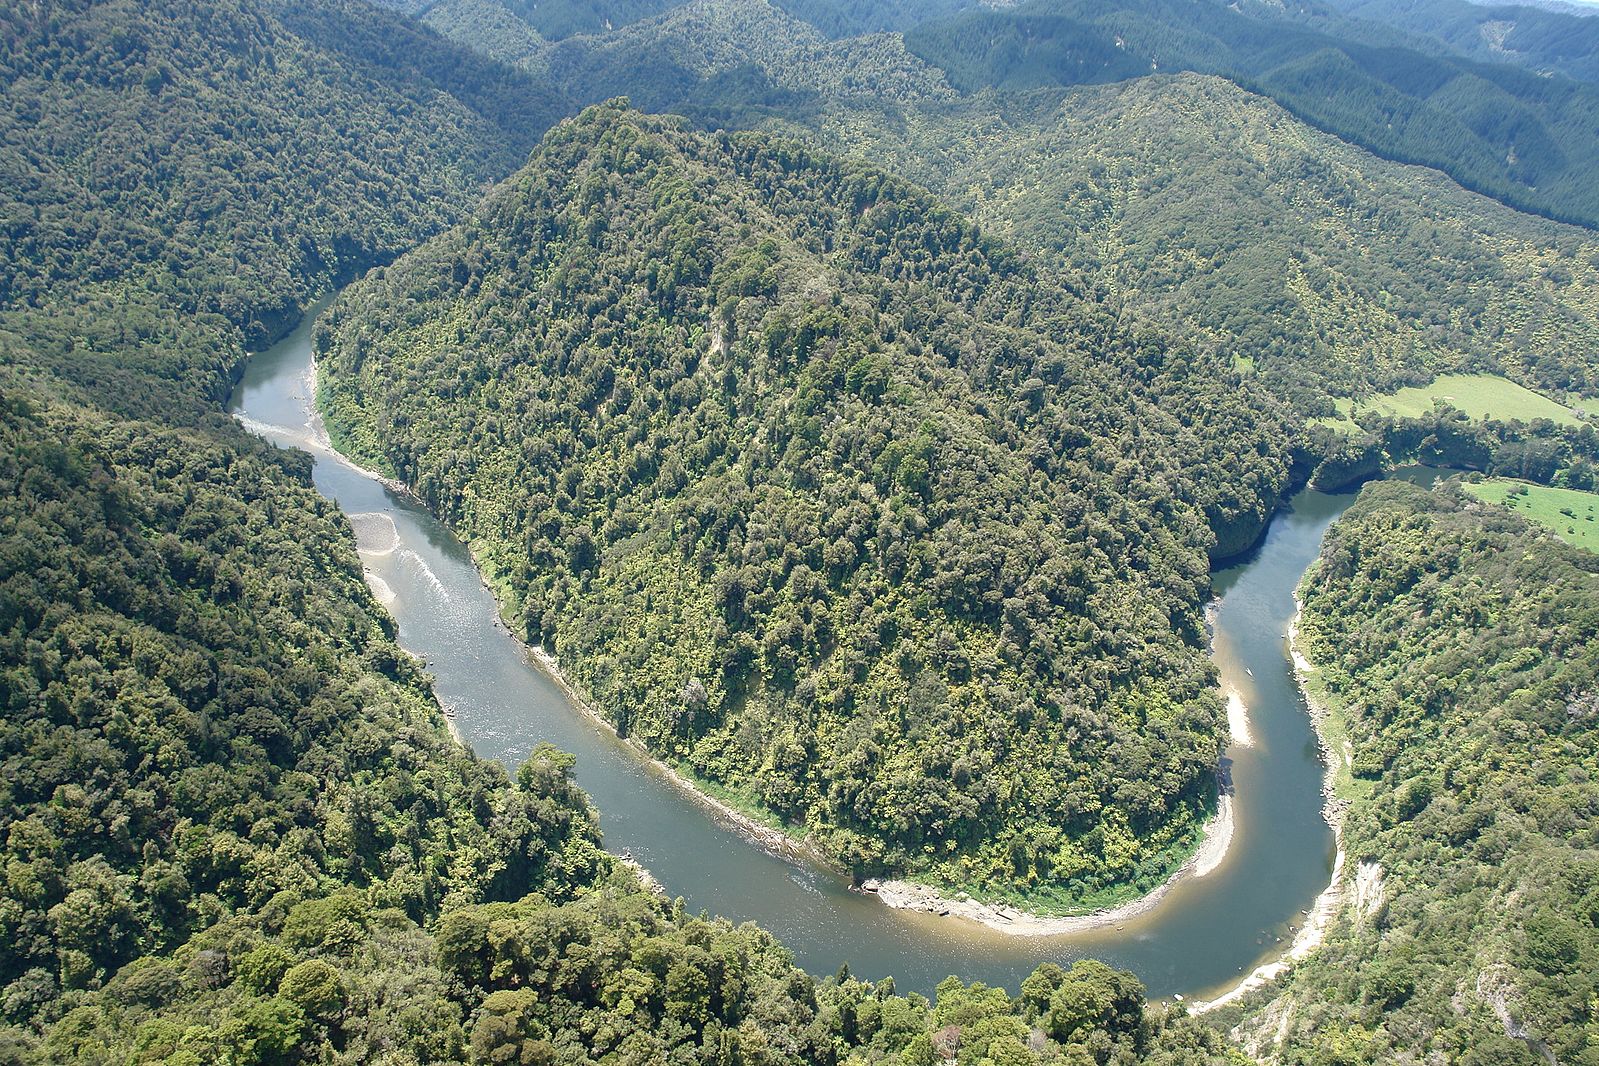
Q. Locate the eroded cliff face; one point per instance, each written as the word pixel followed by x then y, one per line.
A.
pixel 1238 531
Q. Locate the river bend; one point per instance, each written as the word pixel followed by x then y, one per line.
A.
pixel 1205 934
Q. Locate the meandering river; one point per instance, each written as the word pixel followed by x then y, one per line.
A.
pixel 1205 934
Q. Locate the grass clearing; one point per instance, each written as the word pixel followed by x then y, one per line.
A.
pixel 1573 516
pixel 1479 395
pixel 1344 421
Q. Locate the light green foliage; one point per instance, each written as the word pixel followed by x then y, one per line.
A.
pixel 1573 516
pixel 1332 272
pixel 709 55
pixel 1527 139
pixel 1478 395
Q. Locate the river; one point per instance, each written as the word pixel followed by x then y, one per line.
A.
pixel 1203 936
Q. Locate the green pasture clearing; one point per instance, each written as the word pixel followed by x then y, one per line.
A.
pixel 1573 516
pixel 1479 395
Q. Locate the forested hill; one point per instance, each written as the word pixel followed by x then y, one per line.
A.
pixel 1526 139
pixel 1536 37
pixel 1327 270
pixel 710 57
pixel 230 157
pixel 1455 651
pixel 232 817
pixel 824 495
pixel 1498 121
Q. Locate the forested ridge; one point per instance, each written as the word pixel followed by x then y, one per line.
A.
pixel 235 827
pixel 1541 39
pixel 1331 272
pixel 1501 122
pixel 1519 136
pixel 1453 646
pixel 819 492
pixel 1323 269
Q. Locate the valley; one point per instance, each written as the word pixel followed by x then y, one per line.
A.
pixel 909 430
pixel 1196 939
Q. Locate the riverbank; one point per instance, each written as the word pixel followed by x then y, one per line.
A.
pixel 770 840
pixel 318 431
pixel 907 895
pixel 1215 840
pixel 1309 936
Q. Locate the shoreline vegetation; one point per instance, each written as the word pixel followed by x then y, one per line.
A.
pixel 322 436
pixel 1309 936
pixel 1215 839
pixel 769 839
pixel 899 894
pixel 1215 836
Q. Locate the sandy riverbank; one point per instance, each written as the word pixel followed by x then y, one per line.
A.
pixel 318 431
pixel 906 895
pixel 1217 838
pixel 1310 935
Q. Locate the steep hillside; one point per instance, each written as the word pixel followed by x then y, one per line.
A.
pixel 232 817
pixel 1566 41
pixel 1330 271
pixel 1453 646
pixel 123 164
pixel 1523 138
pixel 551 20
pixel 719 60
pixel 738 52
pixel 826 497
pixel 206 718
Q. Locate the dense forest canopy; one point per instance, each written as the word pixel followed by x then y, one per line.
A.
pixel 1516 125
pixel 1519 136
pixel 1540 38
pixel 921 510
pixel 820 492
pixel 233 819
pixel 1329 272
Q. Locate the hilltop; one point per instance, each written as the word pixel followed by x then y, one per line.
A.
pixel 825 496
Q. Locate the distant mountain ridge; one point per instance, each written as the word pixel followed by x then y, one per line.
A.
pixel 1409 87
pixel 1530 141
pixel 1329 271
pixel 1563 39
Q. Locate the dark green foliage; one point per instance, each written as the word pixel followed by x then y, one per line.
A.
pixel 851 18
pixel 1541 40
pixel 554 20
pixel 1522 138
pixel 140 140
pixel 206 718
pixel 201 701
pixel 1325 270
pixel 729 61
pixel 231 814
pixel 819 492
pixel 1456 650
